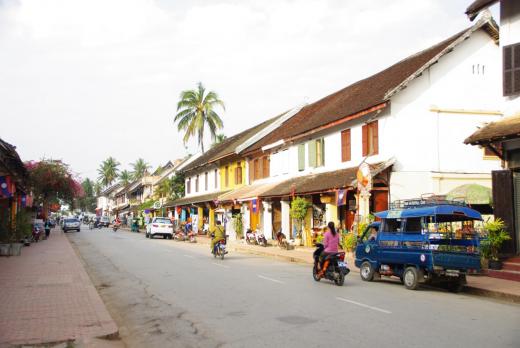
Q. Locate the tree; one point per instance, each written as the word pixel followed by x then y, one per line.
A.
pixel 140 168
pixel 195 111
pixel 52 182
pixel 125 177
pixel 177 185
pixel 218 139
pixel 299 210
pixel 97 188
pixel 108 171
pixel 88 201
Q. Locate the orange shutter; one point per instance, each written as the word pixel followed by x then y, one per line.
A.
pixel 364 137
pixel 375 132
pixel 345 145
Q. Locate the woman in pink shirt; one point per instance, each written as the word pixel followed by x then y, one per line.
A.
pixel 330 244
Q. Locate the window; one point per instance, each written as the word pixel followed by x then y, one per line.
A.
pixel 345 146
pixel 216 179
pixel 197 184
pixel 256 169
pixel 316 152
pixel 188 186
pixel 370 139
pixel 392 225
pixel 238 174
pixel 413 225
pixel 511 69
pixel 265 167
pixel 301 157
pixel 206 181
pixel 226 177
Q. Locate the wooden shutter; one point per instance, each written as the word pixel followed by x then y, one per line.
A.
pixel 364 138
pixel 265 167
pixel 322 147
pixel 311 145
pixel 345 146
pixel 503 205
pixel 251 171
pixel 301 157
pixel 511 69
pixel 375 137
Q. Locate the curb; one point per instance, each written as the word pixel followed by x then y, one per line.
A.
pixel 499 295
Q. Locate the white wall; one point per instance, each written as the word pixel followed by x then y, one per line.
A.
pixel 211 182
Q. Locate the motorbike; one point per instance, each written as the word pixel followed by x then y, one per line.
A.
pixel 191 237
pixel 250 237
pixel 219 250
pixel 336 269
pixel 179 236
pixel 115 227
pixel 260 239
pixel 282 240
pixel 91 225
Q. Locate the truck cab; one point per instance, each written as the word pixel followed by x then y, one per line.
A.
pixel 421 242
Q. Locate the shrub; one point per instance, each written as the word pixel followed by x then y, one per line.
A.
pixel 496 236
pixel 349 241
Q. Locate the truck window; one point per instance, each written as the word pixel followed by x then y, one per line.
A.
pixel 413 225
pixel 392 225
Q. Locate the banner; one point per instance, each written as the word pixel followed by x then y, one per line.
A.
pixel 254 206
pixel 341 197
pixel 6 186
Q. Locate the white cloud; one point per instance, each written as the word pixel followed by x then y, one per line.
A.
pixel 82 80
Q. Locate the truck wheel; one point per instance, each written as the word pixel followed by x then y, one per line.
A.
pixel 366 271
pixel 411 278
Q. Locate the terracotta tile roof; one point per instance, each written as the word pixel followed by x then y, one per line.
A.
pixel 11 162
pixel 228 146
pixel 361 95
pixel 506 128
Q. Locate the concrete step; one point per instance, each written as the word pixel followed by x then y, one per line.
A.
pixel 511 266
pixel 505 274
pixel 515 259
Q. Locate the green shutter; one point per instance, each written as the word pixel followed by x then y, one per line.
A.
pixel 322 140
pixel 312 153
pixel 301 157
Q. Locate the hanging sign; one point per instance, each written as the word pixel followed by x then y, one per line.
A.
pixel 341 198
pixel 364 178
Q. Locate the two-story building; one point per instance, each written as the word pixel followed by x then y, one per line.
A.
pixel 407 122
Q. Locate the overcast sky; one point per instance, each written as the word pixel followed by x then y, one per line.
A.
pixel 84 80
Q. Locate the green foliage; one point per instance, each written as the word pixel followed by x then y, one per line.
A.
pixel 140 168
pixel 177 185
pixel 349 241
pixel 195 111
pixel 125 177
pixel 88 201
pixel 146 204
pixel 496 236
pixel 22 227
pixel 299 210
pixel 238 225
pixel 108 171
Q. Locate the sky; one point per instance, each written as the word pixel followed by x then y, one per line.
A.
pixel 81 80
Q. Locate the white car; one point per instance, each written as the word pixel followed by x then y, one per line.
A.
pixel 160 226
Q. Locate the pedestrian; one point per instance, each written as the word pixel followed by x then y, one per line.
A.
pixel 47 227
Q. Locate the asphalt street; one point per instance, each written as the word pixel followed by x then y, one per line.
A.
pixel 167 293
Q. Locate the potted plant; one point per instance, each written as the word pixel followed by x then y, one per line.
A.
pixel 238 225
pixel 299 209
pixel 490 246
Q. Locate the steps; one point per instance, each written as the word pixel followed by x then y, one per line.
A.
pixel 510 270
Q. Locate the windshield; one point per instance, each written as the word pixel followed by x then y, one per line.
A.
pixel 162 220
pixel 71 220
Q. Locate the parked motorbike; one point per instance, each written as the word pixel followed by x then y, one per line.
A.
pixel 336 269
pixel 250 237
pixel 179 236
pixel 260 239
pixel 282 240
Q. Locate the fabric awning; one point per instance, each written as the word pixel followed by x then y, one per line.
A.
pixel 472 194
pixel 209 197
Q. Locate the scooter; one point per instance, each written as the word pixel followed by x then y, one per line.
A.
pixel 336 266
pixel 260 239
pixel 36 234
pixel 251 237
pixel 191 237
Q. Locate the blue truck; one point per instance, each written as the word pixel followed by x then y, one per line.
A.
pixel 421 241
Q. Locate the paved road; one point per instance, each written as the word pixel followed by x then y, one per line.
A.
pixel 167 293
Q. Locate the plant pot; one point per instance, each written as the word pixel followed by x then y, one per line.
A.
pixel 484 264
pixel 495 264
pixel 5 249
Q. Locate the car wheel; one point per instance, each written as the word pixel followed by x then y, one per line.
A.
pixel 366 271
pixel 146 235
pixel 411 278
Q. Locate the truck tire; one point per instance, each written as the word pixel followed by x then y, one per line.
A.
pixel 411 278
pixel 366 271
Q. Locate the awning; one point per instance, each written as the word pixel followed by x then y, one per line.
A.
pixel 247 192
pixel 472 194
pixel 322 182
pixel 209 197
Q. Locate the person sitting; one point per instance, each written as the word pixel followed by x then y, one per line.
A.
pixel 218 235
pixel 330 245
pixel 373 234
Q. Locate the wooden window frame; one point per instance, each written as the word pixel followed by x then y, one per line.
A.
pixel 206 181
pixel 370 138
pixel 265 167
pixel 226 177
pixel 346 145
pixel 197 183
pixel 238 174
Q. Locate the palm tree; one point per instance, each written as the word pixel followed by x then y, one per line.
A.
pixel 219 138
pixel 195 111
pixel 140 168
pixel 97 188
pixel 125 177
pixel 108 171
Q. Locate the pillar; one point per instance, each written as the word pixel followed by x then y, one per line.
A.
pixel 267 217
pixel 211 218
pixel 200 213
pixel 331 213
pixel 286 219
pixel 363 208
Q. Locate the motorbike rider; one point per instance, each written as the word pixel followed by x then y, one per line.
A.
pixel 330 244
pixel 218 235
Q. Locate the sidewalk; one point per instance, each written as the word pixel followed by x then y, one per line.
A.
pixel 46 296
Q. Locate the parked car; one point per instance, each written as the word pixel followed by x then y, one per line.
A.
pixel 161 226
pixel 71 224
pixel 421 242
pixel 104 221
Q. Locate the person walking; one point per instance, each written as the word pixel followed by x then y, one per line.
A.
pixel 47 228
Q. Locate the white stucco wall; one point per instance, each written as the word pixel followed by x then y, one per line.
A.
pixel 211 182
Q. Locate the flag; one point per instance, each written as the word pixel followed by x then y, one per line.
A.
pixel 341 197
pixel 6 186
pixel 254 206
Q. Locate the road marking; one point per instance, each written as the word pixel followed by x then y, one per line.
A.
pixel 363 305
pixel 218 264
pixel 190 256
pixel 270 279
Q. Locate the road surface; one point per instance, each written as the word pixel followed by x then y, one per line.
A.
pixel 166 293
